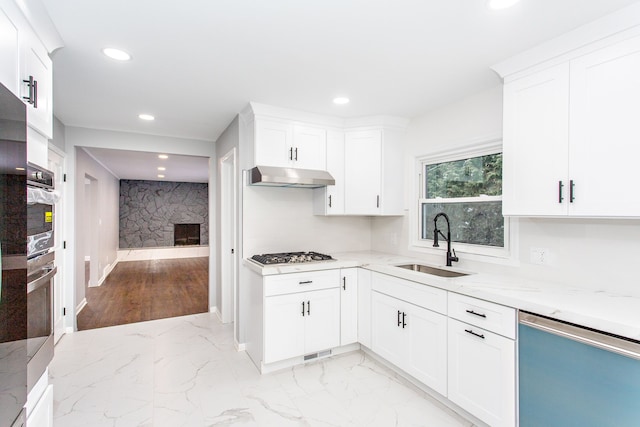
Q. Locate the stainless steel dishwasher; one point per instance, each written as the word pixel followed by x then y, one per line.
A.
pixel 574 376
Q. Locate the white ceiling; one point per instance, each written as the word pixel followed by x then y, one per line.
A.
pixel 197 63
pixel 144 166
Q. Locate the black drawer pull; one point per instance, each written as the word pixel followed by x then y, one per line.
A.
pixel 306 282
pixel 469 331
pixel 399 321
pixel 302 308
pixel 477 314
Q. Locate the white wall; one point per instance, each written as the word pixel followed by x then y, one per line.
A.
pixel 107 189
pixel 228 140
pixel 593 254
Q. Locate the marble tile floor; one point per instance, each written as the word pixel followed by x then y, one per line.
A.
pixel 185 371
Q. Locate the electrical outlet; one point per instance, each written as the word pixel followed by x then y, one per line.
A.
pixel 539 256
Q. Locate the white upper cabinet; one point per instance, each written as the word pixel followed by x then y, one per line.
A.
pixel 604 131
pixel 535 151
pixel 36 75
pixel 273 142
pixel 373 178
pixel 287 144
pixel 309 147
pixel 363 174
pixel 9 53
pixel 329 200
pixel 571 132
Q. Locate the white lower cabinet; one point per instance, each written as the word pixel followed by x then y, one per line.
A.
pixel 300 323
pixel 412 338
pixel 482 373
pixel 364 307
pixel 348 306
pixel 42 413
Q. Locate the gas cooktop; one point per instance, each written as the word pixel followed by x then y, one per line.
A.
pixel 290 258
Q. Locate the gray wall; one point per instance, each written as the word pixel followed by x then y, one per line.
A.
pixel 149 210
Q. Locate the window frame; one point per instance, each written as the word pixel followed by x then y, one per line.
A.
pixel 483 147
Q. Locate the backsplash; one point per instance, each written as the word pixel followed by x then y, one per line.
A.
pixel 149 210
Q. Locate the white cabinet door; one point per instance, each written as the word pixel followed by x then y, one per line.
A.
pixel 427 352
pixel 9 53
pixel 37 70
pixel 309 147
pixel 605 131
pixel 322 320
pixel 284 327
pixel 348 306
pixel 364 307
pixel 363 162
pixel 482 373
pixel 273 143
pixel 535 145
pixel 42 413
pixel 329 200
pixel 389 336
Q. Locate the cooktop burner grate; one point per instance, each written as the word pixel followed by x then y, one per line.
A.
pixel 290 257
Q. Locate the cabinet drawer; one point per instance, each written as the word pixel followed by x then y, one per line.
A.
pixel 487 315
pixel 415 293
pixel 301 282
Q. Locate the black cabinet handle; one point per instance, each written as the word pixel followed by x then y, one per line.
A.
pixel 571 195
pixel 404 316
pixel 399 322
pixel 31 84
pixel 302 308
pixel 35 94
pixel 560 198
pixel 469 331
pixel 377 201
pixel 344 283
pixel 306 282
pixel 308 308
pixel 329 200
pixel 291 153
pixel 477 314
pixel 296 158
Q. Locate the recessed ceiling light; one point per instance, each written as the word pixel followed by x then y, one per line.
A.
pixel 147 117
pixel 163 156
pixel 160 176
pixel 501 4
pixel 341 100
pixel 160 168
pixel 117 54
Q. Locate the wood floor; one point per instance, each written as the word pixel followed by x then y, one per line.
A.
pixel 137 291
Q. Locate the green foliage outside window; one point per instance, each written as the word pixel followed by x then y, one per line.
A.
pixel 479 221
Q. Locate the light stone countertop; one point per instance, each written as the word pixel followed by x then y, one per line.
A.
pixel 597 309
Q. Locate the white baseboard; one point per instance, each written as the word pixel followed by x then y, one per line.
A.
pixel 87 258
pixel 240 347
pixel 80 306
pixel 170 252
pixel 108 269
pixel 68 330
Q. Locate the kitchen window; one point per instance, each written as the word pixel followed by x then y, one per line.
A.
pixel 467 186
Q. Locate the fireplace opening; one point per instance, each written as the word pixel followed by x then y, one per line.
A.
pixel 186 234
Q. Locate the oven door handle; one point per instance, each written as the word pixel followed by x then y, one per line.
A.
pixel 41 281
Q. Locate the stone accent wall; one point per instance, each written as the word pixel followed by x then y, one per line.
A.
pixel 148 210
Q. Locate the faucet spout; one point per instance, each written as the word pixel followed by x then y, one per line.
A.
pixel 451 257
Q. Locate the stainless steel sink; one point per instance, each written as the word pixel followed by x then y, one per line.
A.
pixel 432 270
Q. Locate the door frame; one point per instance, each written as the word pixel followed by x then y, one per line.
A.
pixel 59 311
pixel 228 236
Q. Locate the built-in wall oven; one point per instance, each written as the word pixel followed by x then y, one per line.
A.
pixel 13 259
pixel 41 198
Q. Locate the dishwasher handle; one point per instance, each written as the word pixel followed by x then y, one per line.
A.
pixel 602 340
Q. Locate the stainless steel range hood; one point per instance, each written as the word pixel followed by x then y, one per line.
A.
pixel 289 177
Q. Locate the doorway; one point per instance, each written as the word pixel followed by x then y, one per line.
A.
pixel 228 237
